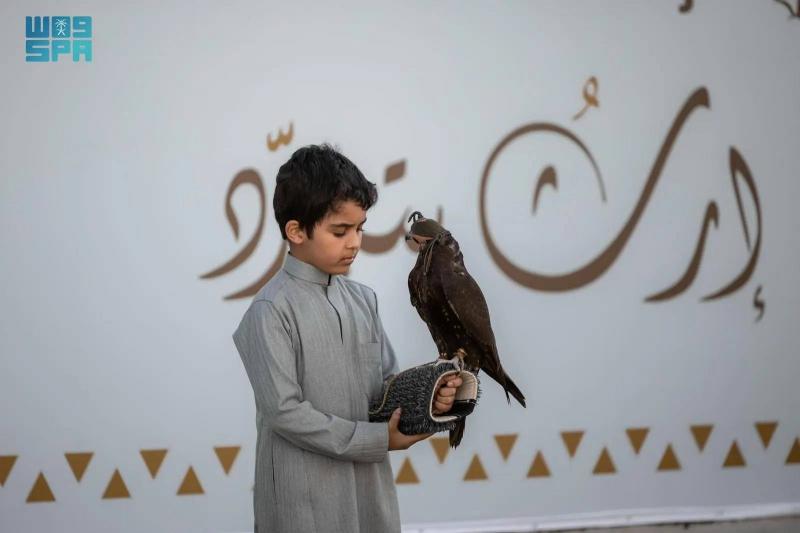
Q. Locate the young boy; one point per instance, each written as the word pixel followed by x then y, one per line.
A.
pixel 315 352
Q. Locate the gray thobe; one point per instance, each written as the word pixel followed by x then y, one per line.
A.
pixel 315 352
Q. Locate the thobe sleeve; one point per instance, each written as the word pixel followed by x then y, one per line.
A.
pixel 265 346
pixel 388 357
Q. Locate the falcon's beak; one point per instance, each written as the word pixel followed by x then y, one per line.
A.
pixel 418 241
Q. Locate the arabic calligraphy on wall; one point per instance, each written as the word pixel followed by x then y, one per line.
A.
pixel 794 10
pixel 374 244
pixel 591 271
pixel 581 275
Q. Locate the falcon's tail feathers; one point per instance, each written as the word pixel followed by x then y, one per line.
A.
pixel 511 387
pixel 457 433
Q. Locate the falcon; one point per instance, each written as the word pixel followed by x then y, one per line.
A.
pixel 451 303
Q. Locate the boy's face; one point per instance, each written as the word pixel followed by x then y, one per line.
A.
pixel 336 241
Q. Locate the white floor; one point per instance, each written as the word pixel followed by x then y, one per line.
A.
pixel 772 518
pixel 769 525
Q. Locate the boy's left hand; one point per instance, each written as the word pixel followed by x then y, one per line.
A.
pixel 446 395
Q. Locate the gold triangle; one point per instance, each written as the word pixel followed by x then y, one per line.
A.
pixel 190 484
pixel 794 453
pixel 734 457
pixel 539 467
pixel 116 487
pixel 407 473
pixel 701 434
pixel 505 443
pixel 153 460
pixel 637 436
pixel 604 464
pixel 475 472
pixel 78 462
pixel 227 455
pixel 6 464
pixel 766 430
pixel 669 461
pixel 40 492
pixel 572 440
pixel 441 445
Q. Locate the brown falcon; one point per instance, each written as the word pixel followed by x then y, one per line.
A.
pixel 451 303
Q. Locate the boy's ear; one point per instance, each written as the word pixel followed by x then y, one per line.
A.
pixel 295 233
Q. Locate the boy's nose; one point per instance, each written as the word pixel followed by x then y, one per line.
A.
pixel 354 242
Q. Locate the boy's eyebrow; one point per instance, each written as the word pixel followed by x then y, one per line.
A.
pixel 345 225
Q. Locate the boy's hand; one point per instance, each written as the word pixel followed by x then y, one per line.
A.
pixel 446 395
pixel 401 441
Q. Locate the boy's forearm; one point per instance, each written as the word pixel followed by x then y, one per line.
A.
pixel 330 435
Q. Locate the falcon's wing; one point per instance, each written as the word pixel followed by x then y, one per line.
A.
pixel 412 290
pixel 415 282
pixel 466 300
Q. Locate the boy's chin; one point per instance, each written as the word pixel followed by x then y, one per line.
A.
pixel 340 268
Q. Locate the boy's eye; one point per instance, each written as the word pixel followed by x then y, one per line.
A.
pixel 342 234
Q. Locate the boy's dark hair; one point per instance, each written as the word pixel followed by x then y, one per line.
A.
pixel 315 180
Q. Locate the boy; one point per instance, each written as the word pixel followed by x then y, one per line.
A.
pixel 315 351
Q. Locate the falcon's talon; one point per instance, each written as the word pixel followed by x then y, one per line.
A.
pixel 458 362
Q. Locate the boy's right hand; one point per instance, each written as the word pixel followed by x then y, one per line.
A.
pixel 401 441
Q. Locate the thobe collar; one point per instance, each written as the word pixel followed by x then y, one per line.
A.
pixel 306 271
